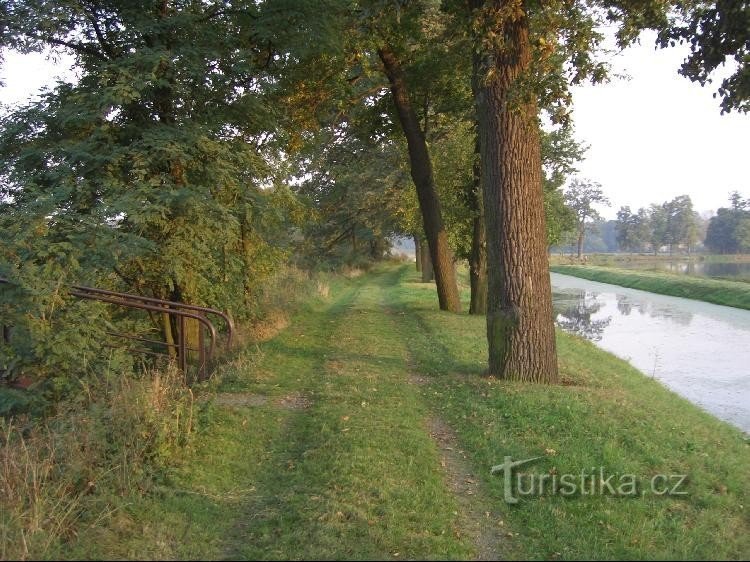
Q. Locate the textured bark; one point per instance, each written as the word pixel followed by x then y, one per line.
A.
pixel 520 327
pixel 417 253
pixel 478 257
pixel 166 324
pixel 428 273
pixel 421 172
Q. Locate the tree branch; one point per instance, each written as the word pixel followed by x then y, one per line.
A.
pixel 91 16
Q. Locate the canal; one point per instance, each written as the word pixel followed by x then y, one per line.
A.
pixel 699 350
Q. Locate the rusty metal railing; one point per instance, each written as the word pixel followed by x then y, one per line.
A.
pixel 181 312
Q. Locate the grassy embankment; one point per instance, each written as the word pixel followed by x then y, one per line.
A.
pixel 320 444
pixel 319 447
pixel 728 293
pixel 626 260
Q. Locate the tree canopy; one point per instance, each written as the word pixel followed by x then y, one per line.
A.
pixel 203 144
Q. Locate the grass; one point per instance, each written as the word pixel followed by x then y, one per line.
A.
pixel 727 293
pixel 72 470
pixel 316 446
pixel 615 259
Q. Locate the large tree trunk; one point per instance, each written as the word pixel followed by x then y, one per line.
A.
pixel 520 327
pixel 478 257
pixel 424 181
pixel 428 273
pixel 417 253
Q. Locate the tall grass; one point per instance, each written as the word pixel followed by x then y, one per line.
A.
pixel 74 469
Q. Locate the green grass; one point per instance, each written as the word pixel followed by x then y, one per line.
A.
pixel 355 474
pixel 727 293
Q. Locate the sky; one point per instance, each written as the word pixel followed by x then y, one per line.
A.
pixel 659 135
pixel 652 137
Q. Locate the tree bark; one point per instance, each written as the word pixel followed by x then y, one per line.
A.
pixel 478 257
pixel 520 327
pixel 417 253
pixel 428 273
pixel 421 172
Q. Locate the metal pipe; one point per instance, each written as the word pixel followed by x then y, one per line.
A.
pixel 162 306
pixel 227 320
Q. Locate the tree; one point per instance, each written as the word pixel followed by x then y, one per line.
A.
pixel 158 170
pixel 517 320
pixel 422 174
pixel 727 231
pixel 581 196
pixel 642 229
pixel 151 163
pixel 560 153
pixel 681 226
pixel 658 225
pixel 742 233
pixel 625 229
pixel 632 229
pixel 355 188
pixel 530 52
pixel 715 32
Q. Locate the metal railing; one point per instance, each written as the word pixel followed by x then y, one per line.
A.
pixel 180 347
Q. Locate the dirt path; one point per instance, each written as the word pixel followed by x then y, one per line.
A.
pixel 478 517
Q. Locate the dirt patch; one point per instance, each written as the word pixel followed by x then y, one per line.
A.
pixel 272 324
pixel 418 380
pixel 293 401
pixel 334 366
pixel 239 399
pixel 478 519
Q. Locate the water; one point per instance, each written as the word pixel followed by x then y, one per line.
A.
pixel 699 350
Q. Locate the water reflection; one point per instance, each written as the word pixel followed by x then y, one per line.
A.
pixel 574 313
pixel 624 306
pixel 697 349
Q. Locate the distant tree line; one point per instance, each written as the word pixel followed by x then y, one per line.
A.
pixel 672 226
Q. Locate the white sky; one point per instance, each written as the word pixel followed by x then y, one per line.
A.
pixel 651 138
pixel 659 135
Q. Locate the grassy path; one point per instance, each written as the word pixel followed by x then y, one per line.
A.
pixel 321 449
pixel 364 431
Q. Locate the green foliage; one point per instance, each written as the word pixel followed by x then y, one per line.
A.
pixel 632 229
pixel 673 223
pixel 155 172
pixel 716 33
pixel 729 231
pixel 354 188
pixel 57 339
pixel 560 153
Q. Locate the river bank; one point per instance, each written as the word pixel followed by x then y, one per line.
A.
pixel 727 293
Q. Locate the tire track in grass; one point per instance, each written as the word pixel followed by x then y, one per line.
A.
pixel 477 517
pixel 355 475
